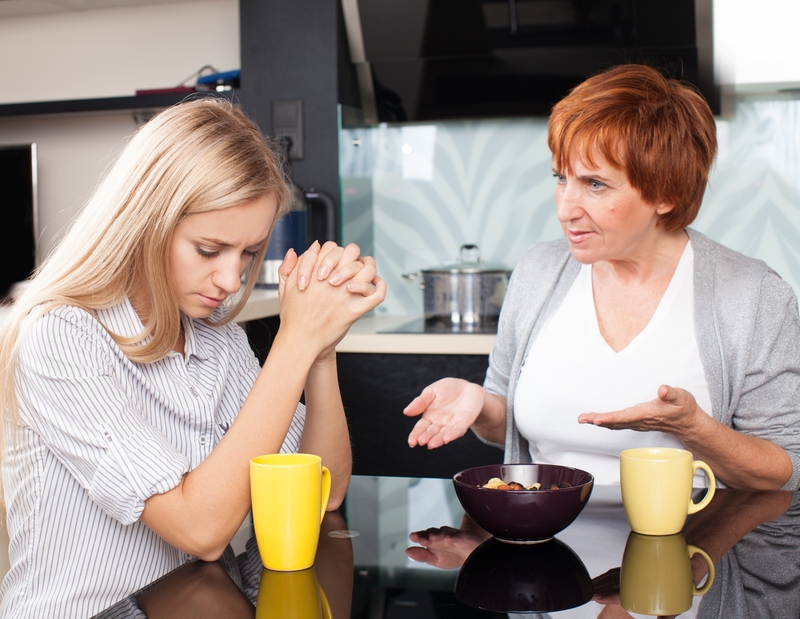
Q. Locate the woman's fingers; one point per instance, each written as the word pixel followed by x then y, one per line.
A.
pixel 420 404
pixel 374 291
pixel 365 289
pixel 333 258
pixel 285 269
pixel 305 265
pixel 672 411
pixel 338 264
pixel 432 434
pixel 350 265
pixel 350 272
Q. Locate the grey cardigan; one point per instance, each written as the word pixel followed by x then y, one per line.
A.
pixel 747 328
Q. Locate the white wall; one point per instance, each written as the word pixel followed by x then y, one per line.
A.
pixel 113 52
pixel 756 43
pixel 73 153
pixel 100 53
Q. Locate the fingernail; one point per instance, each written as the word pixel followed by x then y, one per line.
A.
pixel 352 287
pixel 323 272
pixel 335 279
pixel 302 282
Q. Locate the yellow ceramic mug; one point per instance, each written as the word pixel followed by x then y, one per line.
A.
pixel 656 576
pixel 656 485
pixel 289 495
pixel 291 595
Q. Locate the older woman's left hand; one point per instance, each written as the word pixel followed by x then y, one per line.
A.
pixel 674 410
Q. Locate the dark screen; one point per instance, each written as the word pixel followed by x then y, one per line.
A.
pixel 17 187
pixel 440 59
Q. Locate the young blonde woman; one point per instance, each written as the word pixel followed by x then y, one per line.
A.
pixel 132 401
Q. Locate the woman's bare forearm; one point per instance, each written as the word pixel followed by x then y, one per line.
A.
pixel 201 514
pixel 738 460
pixel 325 432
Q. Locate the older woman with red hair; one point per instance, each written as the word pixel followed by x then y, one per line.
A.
pixel 634 322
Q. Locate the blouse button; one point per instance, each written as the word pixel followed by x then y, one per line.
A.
pixel 202 439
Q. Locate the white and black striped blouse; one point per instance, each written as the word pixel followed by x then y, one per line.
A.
pixel 100 436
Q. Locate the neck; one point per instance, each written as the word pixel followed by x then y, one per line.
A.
pixel 658 259
pixel 140 301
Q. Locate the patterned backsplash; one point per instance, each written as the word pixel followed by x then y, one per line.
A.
pixel 413 194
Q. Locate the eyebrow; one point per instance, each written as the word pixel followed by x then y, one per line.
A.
pixel 592 177
pixel 221 243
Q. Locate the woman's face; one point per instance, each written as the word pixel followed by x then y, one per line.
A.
pixel 210 251
pixel 602 216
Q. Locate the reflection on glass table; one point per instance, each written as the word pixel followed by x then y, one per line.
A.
pixel 403 548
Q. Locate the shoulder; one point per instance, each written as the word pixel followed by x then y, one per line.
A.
pixel 227 340
pixel 65 335
pixel 535 277
pixel 551 254
pixel 541 264
pixel 735 279
pixel 62 323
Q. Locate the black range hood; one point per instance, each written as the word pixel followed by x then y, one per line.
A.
pixel 419 60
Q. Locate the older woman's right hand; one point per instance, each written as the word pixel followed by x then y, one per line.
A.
pixel 448 408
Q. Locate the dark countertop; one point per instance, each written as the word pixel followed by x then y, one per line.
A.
pixel 364 572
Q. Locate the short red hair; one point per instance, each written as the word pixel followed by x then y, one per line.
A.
pixel 660 131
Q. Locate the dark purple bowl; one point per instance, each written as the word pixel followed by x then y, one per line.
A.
pixel 523 515
pixel 524 578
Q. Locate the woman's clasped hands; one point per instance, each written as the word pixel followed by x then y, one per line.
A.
pixel 325 290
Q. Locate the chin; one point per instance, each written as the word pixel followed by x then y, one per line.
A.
pixel 583 257
pixel 197 312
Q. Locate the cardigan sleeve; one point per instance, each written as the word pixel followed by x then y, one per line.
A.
pixel 768 404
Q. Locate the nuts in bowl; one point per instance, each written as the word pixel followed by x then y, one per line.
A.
pixel 523 515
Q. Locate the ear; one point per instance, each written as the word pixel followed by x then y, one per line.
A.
pixel 663 208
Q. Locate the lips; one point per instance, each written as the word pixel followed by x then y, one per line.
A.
pixel 211 301
pixel 579 236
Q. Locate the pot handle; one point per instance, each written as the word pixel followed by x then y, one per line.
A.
pixel 412 277
pixel 470 253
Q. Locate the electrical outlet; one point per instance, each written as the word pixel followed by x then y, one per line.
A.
pixel 287 122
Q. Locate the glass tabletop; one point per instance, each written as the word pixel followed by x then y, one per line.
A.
pixel 368 565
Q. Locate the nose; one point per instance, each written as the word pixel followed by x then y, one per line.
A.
pixel 227 276
pixel 568 205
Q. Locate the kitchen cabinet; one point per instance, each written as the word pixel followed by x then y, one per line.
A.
pixel 379 374
pixel 376 387
pixel 106 104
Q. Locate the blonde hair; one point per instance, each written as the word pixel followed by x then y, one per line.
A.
pixel 197 156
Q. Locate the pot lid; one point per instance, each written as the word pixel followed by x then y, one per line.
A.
pixel 470 261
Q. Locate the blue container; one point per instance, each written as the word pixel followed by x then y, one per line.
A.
pixel 289 233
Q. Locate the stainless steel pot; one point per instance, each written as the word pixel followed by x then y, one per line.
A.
pixel 467 293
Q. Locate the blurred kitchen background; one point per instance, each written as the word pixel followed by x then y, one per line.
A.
pixel 409 191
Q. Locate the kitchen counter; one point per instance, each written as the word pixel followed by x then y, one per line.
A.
pixel 261 304
pixel 366 337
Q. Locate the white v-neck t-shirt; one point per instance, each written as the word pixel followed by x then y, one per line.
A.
pixel 570 369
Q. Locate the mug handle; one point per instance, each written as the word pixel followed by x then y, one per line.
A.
pixel 326 606
pixel 693 550
pixel 712 486
pixel 326 490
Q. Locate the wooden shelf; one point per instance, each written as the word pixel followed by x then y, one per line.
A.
pixel 110 104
